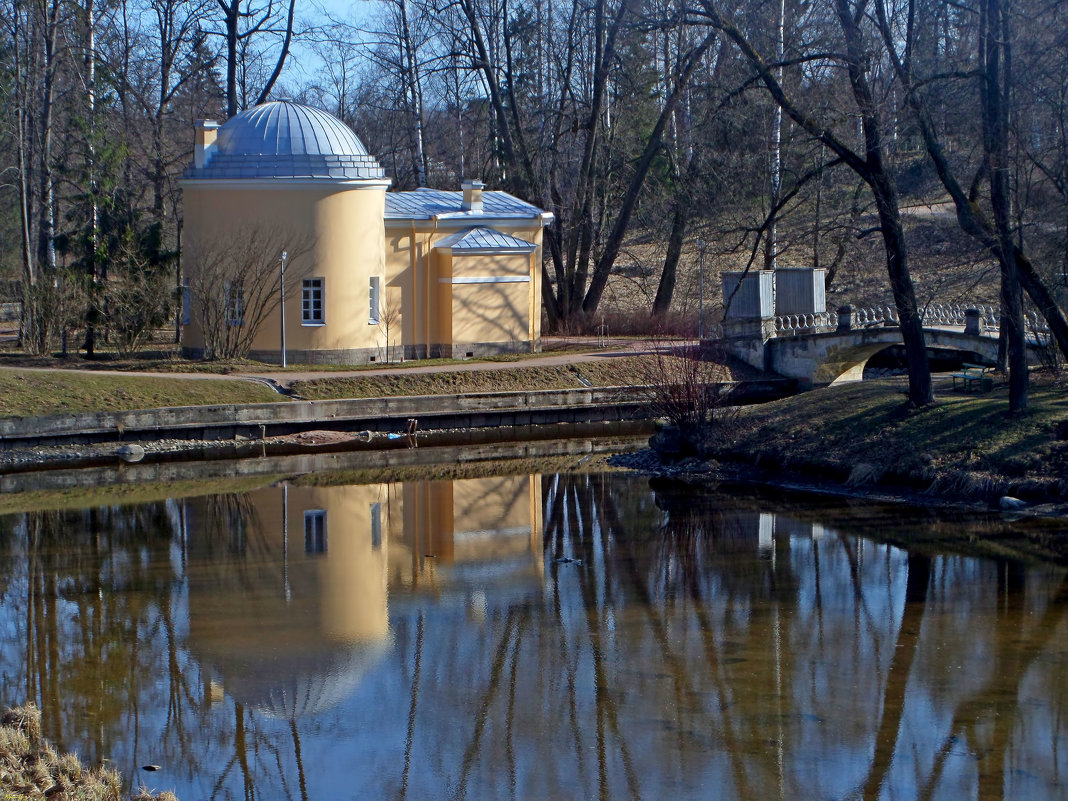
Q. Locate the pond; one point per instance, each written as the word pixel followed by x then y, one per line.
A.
pixel 536 636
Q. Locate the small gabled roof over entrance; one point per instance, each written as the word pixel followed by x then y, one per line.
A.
pixel 481 240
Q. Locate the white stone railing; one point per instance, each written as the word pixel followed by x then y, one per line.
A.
pixel 934 314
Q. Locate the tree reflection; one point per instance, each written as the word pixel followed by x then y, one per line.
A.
pixel 91 587
pixel 573 635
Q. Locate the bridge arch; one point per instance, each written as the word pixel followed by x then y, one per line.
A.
pixel 840 356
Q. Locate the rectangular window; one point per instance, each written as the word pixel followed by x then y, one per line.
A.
pixel 311 302
pixel 372 314
pixel 315 531
pixel 187 304
pixel 235 304
pixel 376 526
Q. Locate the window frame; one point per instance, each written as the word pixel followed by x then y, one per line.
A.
pixel 316 540
pixel 376 526
pixel 309 287
pixel 187 303
pixel 374 300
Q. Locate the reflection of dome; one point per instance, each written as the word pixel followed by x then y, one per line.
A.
pixel 283 139
pixel 289 683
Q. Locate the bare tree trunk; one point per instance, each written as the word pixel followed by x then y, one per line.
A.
pixel 771 237
pixel 665 289
pixel 287 39
pixel 20 38
pixel 994 97
pixel 92 313
pixel 414 92
pixel 46 247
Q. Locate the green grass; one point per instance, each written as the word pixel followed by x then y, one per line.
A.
pixel 28 393
pixel 969 444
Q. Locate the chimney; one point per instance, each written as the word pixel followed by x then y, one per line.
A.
pixel 204 142
pixel 472 194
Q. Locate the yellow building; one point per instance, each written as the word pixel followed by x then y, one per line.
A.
pixel 284 189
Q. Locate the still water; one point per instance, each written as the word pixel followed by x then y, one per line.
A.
pixel 565 636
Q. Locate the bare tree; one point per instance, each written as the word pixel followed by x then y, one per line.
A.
pixel 137 300
pixel 243 23
pixel 869 163
pixel 390 319
pixel 234 286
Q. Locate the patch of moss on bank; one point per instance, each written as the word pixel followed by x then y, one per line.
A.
pixel 865 433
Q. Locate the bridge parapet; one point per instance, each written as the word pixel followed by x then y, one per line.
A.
pixel 975 318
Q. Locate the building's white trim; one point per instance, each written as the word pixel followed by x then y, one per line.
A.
pixel 285 183
pixel 487 279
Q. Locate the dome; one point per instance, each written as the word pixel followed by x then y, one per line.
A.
pixel 283 139
pixel 292 683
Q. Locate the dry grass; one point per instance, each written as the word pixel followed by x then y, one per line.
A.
pixel 26 393
pixel 610 372
pixel 30 768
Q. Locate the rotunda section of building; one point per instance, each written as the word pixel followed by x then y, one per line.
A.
pixel 283 189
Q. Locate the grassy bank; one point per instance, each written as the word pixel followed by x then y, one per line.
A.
pixel 453 382
pixel 39 392
pixel 966 446
pixel 25 393
pixel 610 372
pixel 31 768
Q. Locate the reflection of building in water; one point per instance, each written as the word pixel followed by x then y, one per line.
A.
pixel 469 532
pixel 288 596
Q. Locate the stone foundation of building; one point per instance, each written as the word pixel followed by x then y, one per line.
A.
pixel 360 356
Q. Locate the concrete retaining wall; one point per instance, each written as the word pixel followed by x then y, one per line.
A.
pixel 167 473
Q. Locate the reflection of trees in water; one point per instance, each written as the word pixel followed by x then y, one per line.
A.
pixel 714 597
pixel 89 585
pixel 690 640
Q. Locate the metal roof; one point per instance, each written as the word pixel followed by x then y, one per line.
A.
pixel 485 240
pixel 422 204
pixel 283 139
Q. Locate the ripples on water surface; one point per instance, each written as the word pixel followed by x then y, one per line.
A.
pixel 562 636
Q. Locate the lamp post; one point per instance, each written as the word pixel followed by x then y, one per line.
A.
pixel 282 298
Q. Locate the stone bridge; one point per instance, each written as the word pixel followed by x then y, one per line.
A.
pixel 777 320
pixel 827 349
pixel 838 356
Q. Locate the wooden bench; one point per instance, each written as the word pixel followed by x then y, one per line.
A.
pixel 975 375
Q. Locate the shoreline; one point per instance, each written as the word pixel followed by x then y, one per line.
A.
pixel 695 471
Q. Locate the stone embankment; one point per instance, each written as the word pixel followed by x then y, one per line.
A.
pixel 71 439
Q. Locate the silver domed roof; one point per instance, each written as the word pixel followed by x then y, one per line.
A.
pixel 283 139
